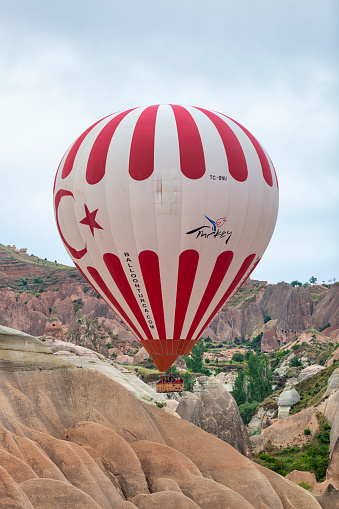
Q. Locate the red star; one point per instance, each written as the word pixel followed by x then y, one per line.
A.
pixel 90 220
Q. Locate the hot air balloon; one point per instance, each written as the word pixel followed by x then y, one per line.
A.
pixel 166 210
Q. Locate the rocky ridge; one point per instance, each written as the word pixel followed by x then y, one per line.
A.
pixel 72 437
pixel 44 298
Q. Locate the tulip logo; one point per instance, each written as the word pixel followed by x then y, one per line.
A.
pixel 215 227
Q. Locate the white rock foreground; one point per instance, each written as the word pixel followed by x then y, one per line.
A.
pixel 21 351
pixel 73 438
pixel 85 358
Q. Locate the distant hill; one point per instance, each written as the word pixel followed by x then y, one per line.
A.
pixel 41 297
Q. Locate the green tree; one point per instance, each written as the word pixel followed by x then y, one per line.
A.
pixel 194 363
pixel 238 357
pixel 247 410
pixel 239 388
pixel 295 363
pixel 173 369
pixel 259 377
pixel 188 382
pixel 296 283
pixel 313 280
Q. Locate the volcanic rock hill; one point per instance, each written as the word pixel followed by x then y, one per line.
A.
pixel 44 298
pixel 73 438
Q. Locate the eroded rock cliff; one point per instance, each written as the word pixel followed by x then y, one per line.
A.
pixel 73 438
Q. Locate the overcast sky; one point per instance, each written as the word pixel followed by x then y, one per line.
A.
pixel 272 65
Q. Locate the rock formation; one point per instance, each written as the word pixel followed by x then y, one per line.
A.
pixel 309 372
pixel 286 400
pixel 33 291
pixel 333 383
pixel 216 412
pixel 85 358
pixel 74 438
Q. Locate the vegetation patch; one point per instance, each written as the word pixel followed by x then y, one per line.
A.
pixel 312 457
pixel 312 390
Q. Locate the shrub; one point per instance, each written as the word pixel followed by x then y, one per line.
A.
pixel 295 347
pixel 305 485
pixel 321 468
pixel 247 410
pixel 324 437
pixel 295 363
pixel 207 361
pixel 307 431
pixel 238 357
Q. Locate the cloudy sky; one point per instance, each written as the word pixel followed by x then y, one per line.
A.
pixel 270 64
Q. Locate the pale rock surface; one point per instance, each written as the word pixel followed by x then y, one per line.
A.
pixel 172 404
pixel 330 408
pixel 287 432
pixel 286 400
pixel 216 412
pixel 330 498
pixel 164 484
pixel 20 351
pixel 49 493
pixel 297 476
pixel 269 340
pixel 126 335
pixel 208 333
pixel 82 357
pixel 309 372
pixel 188 407
pixel 124 359
pixel 261 419
pixel 227 379
pixel 333 383
pixel 200 384
pixel 335 357
pixel 140 355
pixel 88 443
pixel 168 500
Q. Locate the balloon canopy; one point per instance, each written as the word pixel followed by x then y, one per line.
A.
pixel 166 210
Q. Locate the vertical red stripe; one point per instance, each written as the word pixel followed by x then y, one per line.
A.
pixel 141 162
pixel 240 274
pixel 149 264
pixel 96 165
pixel 112 301
pixel 68 166
pixel 220 268
pixel 235 155
pixel 265 165
pixel 114 266
pixel 192 159
pixel 188 263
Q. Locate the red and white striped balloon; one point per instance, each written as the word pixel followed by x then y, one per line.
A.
pixel 166 210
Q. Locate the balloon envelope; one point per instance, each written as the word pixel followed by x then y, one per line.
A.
pixel 166 210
